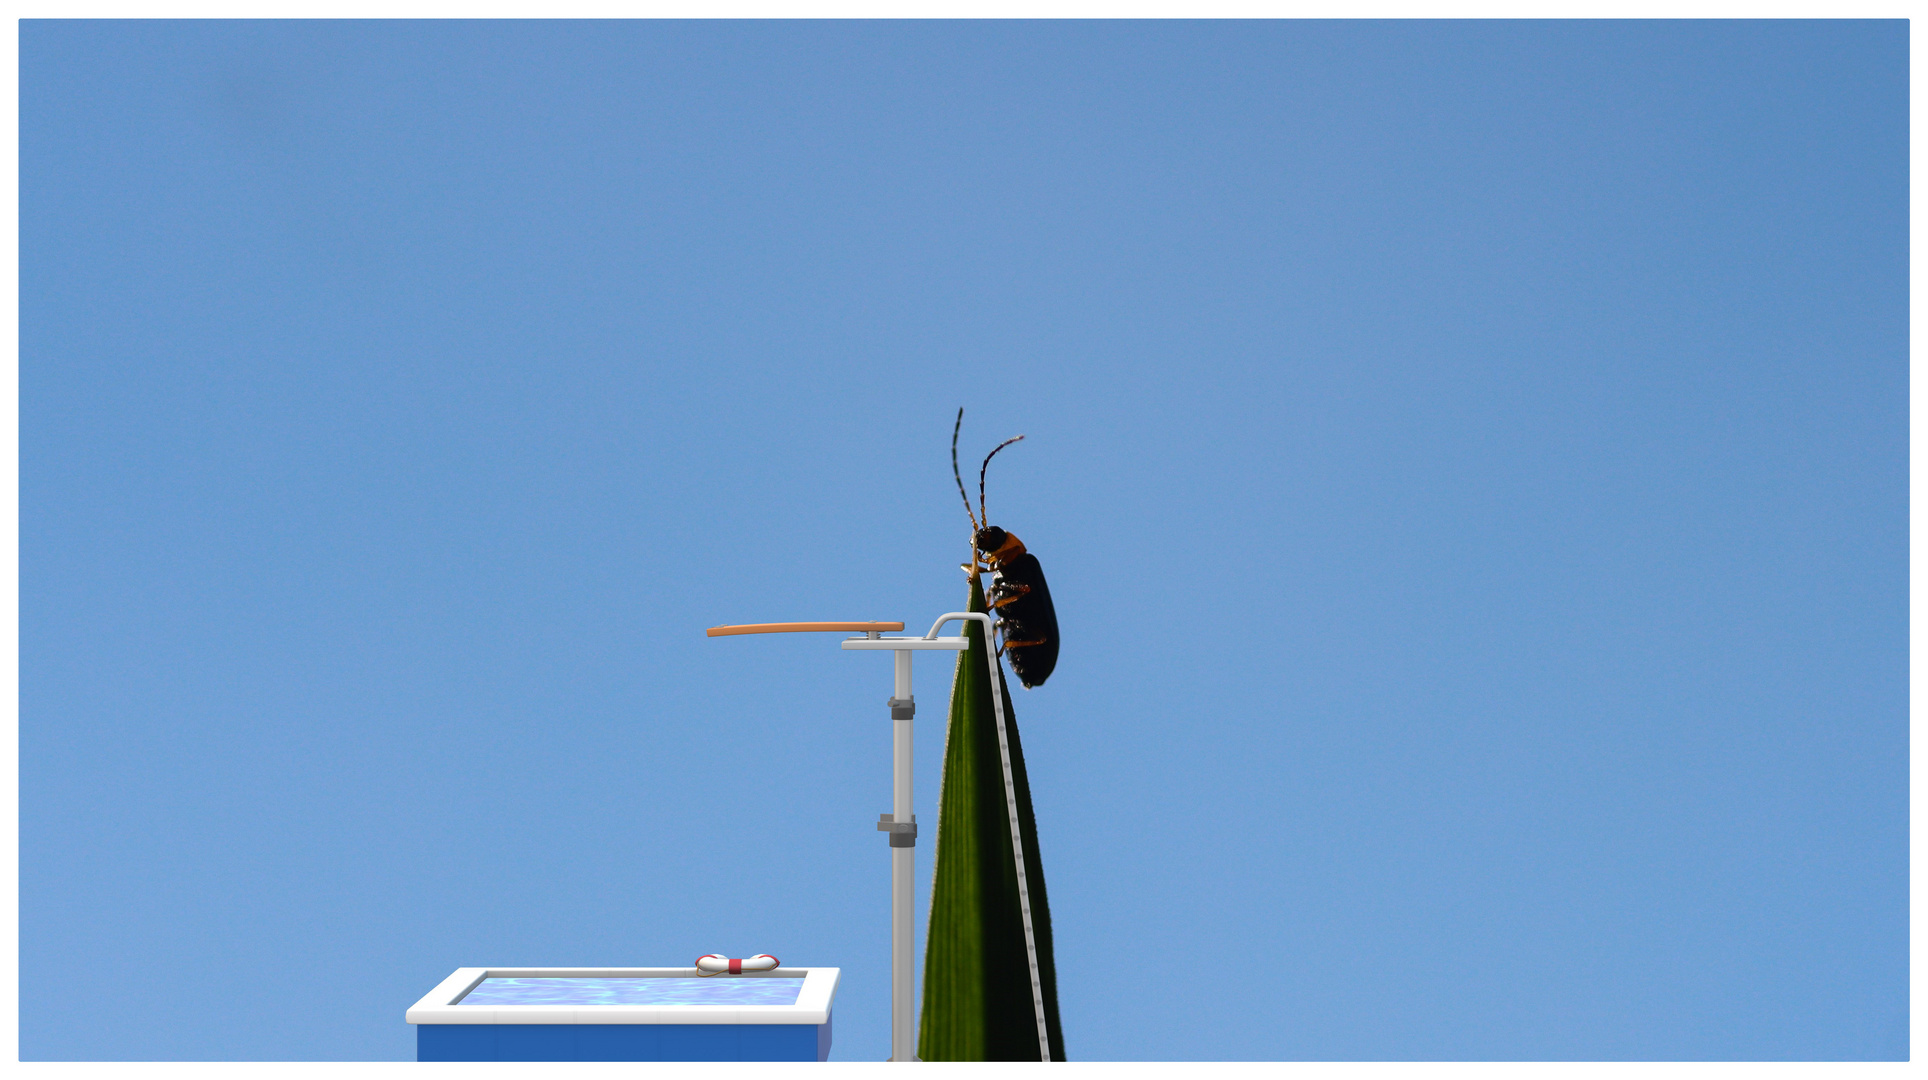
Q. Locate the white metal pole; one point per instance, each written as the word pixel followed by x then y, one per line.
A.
pixel 901 824
pixel 903 867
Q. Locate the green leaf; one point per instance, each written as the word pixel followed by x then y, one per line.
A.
pixel 979 1000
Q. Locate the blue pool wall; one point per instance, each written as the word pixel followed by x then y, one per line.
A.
pixel 622 1042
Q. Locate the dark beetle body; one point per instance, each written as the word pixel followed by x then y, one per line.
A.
pixel 1018 596
pixel 1022 602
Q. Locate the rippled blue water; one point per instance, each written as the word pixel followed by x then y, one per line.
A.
pixel 720 990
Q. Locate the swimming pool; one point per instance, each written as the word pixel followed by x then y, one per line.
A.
pixel 715 990
pixel 625 1014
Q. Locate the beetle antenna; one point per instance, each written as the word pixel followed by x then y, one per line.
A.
pixel 983 513
pixel 959 477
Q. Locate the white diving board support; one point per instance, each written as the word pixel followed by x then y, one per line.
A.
pixel 901 824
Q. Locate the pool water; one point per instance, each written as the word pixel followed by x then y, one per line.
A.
pixel 719 990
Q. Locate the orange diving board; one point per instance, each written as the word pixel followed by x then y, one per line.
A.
pixel 804 627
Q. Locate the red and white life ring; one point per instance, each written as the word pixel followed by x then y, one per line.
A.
pixel 713 964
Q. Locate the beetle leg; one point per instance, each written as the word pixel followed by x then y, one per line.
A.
pixel 1007 594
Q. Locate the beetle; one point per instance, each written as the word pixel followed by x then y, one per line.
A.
pixel 1026 620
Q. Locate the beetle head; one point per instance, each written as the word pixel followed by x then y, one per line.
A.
pixel 996 544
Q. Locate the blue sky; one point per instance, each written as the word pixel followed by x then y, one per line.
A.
pixel 1468 459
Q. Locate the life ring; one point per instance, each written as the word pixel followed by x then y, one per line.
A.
pixel 712 964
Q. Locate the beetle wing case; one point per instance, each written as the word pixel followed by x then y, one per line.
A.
pixel 1029 617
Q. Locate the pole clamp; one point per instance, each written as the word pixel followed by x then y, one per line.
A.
pixel 902 833
pixel 903 708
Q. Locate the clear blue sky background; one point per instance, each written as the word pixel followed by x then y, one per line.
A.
pixel 1468 459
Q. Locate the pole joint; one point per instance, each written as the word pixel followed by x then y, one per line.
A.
pixel 902 833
